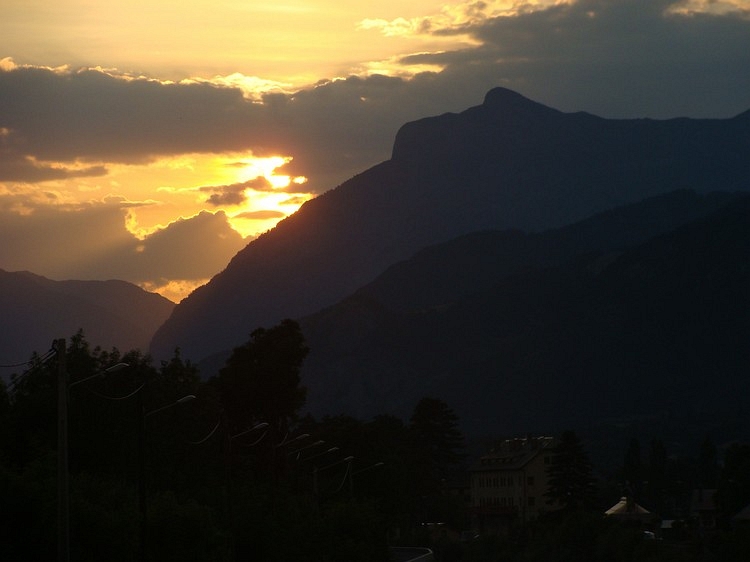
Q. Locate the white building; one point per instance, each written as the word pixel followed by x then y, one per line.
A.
pixel 508 484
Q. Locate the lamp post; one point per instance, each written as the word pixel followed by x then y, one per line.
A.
pixel 360 471
pixel 316 492
pixel 63 476
pixel 229 504
pixel 142 504
pixel 298 452
pixel 63 491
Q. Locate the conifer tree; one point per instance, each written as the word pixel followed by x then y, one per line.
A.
pixel 571 480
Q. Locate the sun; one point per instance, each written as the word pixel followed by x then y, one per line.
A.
pixel 255 166
pixel 268 201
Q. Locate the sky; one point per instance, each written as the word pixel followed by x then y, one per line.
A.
pixel 152 140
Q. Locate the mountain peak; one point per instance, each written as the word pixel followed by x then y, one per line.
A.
pixel 504 96
pixel 508 163
pixel 505 100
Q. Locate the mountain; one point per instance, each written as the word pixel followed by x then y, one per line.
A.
pixel 37 310
pixel 508 163
pixel 616 317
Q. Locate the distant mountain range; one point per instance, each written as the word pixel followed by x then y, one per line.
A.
pixel 37 310
pixel 639 311
pixel 536 270
pixel 509 163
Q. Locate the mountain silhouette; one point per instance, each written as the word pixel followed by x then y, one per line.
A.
pixel 508 163
pixel 614 317
pixel 37 310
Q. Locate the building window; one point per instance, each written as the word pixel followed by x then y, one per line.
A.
pixel 532 501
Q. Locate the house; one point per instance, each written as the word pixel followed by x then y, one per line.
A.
pixel 508 484
pixel 703 507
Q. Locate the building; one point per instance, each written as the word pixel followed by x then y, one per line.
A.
pixel 508 484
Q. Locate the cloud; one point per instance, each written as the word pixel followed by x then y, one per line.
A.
pixel 260 215
pixel 615 58
pixel 226 194
pixel 90 114
pixel 24 168
pixel 191 248
pixel 56 241
pixel 92 117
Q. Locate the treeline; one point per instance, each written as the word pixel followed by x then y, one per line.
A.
pixel 166 466
pixel 223 469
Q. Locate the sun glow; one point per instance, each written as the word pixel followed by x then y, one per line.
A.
pixel 243 185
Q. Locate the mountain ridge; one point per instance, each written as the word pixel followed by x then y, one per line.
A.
pixel 111 313
pixel 493 166
pixel 654 328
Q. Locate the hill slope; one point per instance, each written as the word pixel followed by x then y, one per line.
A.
pixel 37 310
pixel 508 163
pixel 560 336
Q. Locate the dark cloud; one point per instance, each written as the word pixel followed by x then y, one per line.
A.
pixel 332 131
pixel 190 248
pixel 226 195
pixel 235 194
pixel 615 58
pixel 15 166
pixel 91 115
pixel 57 242
pixel 259 184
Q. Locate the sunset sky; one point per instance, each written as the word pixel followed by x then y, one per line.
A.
pixel 151 140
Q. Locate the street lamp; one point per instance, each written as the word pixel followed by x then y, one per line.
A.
pixel 305 448
pixel 326 452
pixel 142 464
pixel 360 471
pixel 284 441
pixel 228 503
pixel 63 476
pixel 316 493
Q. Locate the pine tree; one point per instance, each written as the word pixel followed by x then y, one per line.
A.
pixel 632 469
pixel 435 428
pixel 571 480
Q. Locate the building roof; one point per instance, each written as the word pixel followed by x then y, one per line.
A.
pixel 513 454
pixel 626 507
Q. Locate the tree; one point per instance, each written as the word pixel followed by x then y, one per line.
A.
pixel 261 380
pixel 632 469
pixel 708 465
pixel 733 493
pixel 571 480
pixel 435 429
pixel 657 474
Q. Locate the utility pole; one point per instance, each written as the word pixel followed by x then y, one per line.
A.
pixel 63 508
pixel 142 508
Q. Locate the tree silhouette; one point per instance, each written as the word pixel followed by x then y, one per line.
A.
pixel 657 474
pixel 708 465
pixel 733 493
pixel 571 480
pixel 633 470
pixel 435 429
pixel 261 380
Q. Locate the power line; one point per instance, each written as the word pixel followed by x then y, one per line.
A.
pixel 34 364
